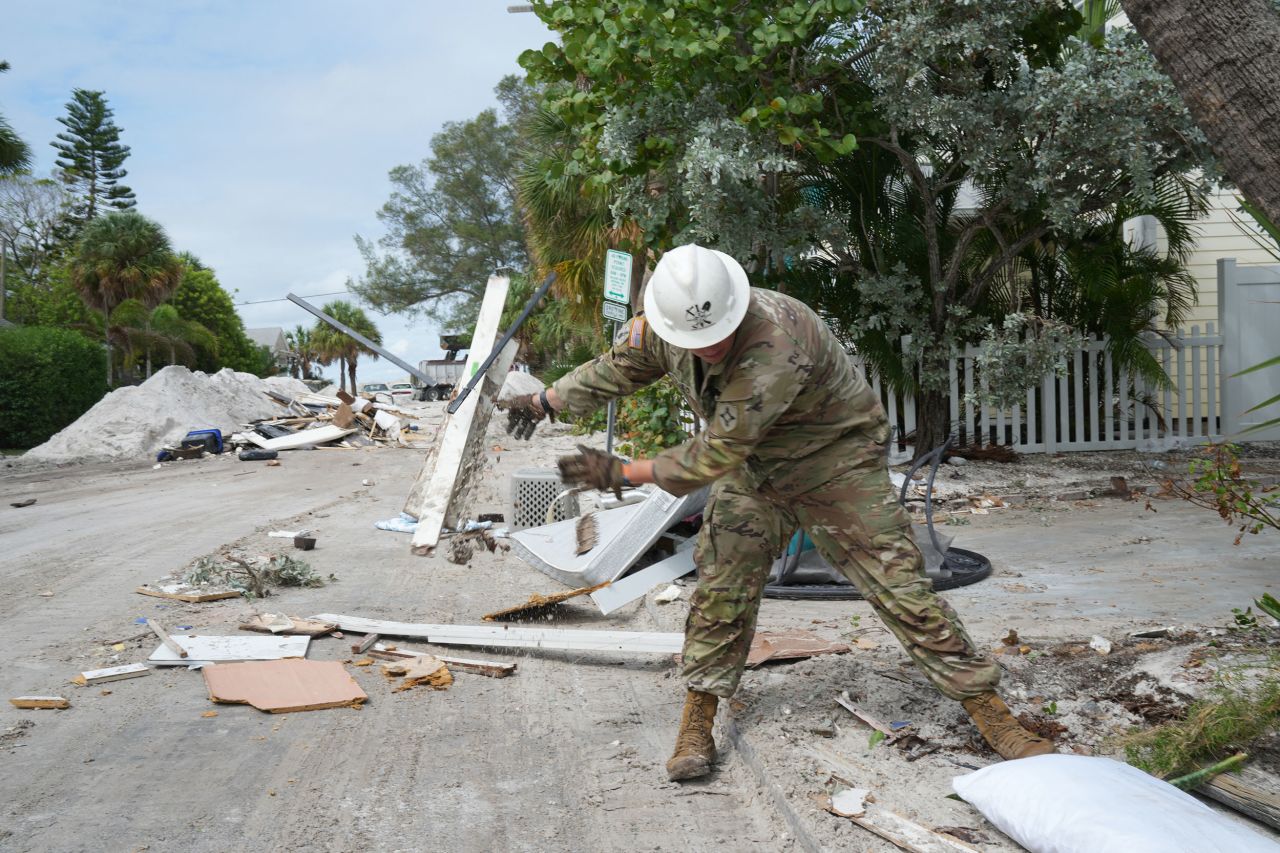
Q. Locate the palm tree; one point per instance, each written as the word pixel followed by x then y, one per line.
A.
pixel 15 155
pixel 302 341
pixel 123 255
pixel 332 345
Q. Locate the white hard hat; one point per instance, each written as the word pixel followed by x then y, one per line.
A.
pixel 697 297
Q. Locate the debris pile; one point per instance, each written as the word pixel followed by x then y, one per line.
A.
pixel 314 420
pixel 132 423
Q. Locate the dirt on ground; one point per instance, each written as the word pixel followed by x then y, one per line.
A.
pixel 568 753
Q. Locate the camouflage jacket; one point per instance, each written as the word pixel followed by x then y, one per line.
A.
pixel 786 403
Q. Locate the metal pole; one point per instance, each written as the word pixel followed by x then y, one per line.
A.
pixel 506 338
pixel 613 407
pixel 413 371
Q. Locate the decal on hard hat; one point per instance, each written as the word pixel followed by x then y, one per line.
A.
pixel 699 316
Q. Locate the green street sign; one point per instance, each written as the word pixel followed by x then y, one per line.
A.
pixel 617 276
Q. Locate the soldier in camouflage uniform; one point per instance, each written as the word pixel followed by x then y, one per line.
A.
pixel 794 437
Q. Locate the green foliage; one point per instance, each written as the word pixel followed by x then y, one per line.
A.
pixel 1022 347
pixel 123 255
pixel 1229 717
pixel 451 222
pixel 649 421
pixel 50 300
pixel 201 299
pixel 32 211
pixel 15 155
pixel 91 157
pixel 254 577
pixel 1217 483
pixel 48 378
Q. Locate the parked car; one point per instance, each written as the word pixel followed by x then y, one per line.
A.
pixel 372 390
pixel 401 392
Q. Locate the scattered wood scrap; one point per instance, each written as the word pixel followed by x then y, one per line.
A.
pixel 21 504
pixel 896 829
pixel 284 686
pixel 538 605
pixel 189 594
pixel 890 732
pixel 500 635
pixel 426 670
pixel 37 703
pixel 272 623
pixel 112 673
pixel 365 644
pixel 493 669
pixel 790 645
pixel 1252 792
pixel 168 641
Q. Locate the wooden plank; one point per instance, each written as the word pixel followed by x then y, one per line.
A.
pixel 968 407
pixel 1211 384
pixel 173 594
pixel 365 644
pixel 1077 384
pixel 111 673
pixel 493 669
pixel 1122 381
pixel 907 834
pixel 36 703
pixel 655 642
pixel 159 631
pixel 462 433
pixel 1196 351
pixel 1108 403
pixel 1252 792
pixel 537 603
pixel 1166 407
pixel 1181 355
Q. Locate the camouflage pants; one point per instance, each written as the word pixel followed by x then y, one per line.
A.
pixel 744 530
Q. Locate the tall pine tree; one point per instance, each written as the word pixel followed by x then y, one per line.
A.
pixel 90 156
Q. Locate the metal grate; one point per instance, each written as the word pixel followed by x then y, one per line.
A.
pixel 532 491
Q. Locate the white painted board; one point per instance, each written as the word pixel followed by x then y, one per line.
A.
pixel 304 438
pixel 114 673
pixel 656 642
pixel 633 586
pixel 430 499
pixel 203 649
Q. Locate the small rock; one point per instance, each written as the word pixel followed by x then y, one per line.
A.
pixel 957 461
pixel 1101 645
pixel 1091 709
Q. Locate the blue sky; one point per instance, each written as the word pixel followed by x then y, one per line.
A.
pixel 262 132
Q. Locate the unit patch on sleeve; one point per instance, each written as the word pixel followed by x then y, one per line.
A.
pixel 635 337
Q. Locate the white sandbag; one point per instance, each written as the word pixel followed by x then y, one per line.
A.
pixel 1081 804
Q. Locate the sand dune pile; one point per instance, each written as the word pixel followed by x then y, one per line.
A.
pixel 131 424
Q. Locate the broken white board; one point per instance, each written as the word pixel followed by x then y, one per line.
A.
pixel 447 474
pixel 619 547
pixel 551 548
pixel 656 642
pixel 634 586
pixel 302 438
pixel 202 649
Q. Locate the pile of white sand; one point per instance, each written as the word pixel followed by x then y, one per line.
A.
pixel 133 423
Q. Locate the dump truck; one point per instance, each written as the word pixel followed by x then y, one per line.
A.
pixel 445 372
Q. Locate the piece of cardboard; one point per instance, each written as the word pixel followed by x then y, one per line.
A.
pixel 284 686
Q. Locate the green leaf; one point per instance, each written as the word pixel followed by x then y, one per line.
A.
pixel 875 739
pixel 1263 404
pixel 1271 362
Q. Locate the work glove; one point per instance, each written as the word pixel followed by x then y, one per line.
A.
pixel 525 413
pixel 593 469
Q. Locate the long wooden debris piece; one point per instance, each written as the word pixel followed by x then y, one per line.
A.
pixel 495 635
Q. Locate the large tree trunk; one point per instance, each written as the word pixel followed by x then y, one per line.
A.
pixel 933 411
pixel 352 365
pixel 1224 57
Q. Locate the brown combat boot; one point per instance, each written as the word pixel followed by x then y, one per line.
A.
pixel 1005 734
pixel 695 750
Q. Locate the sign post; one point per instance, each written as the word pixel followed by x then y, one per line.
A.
pixel 616 308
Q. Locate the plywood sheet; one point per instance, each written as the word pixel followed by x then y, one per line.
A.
pixel 790 645
pixel 216 649
pixel 283 686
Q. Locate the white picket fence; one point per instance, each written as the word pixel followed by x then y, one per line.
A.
pixel 1094 405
